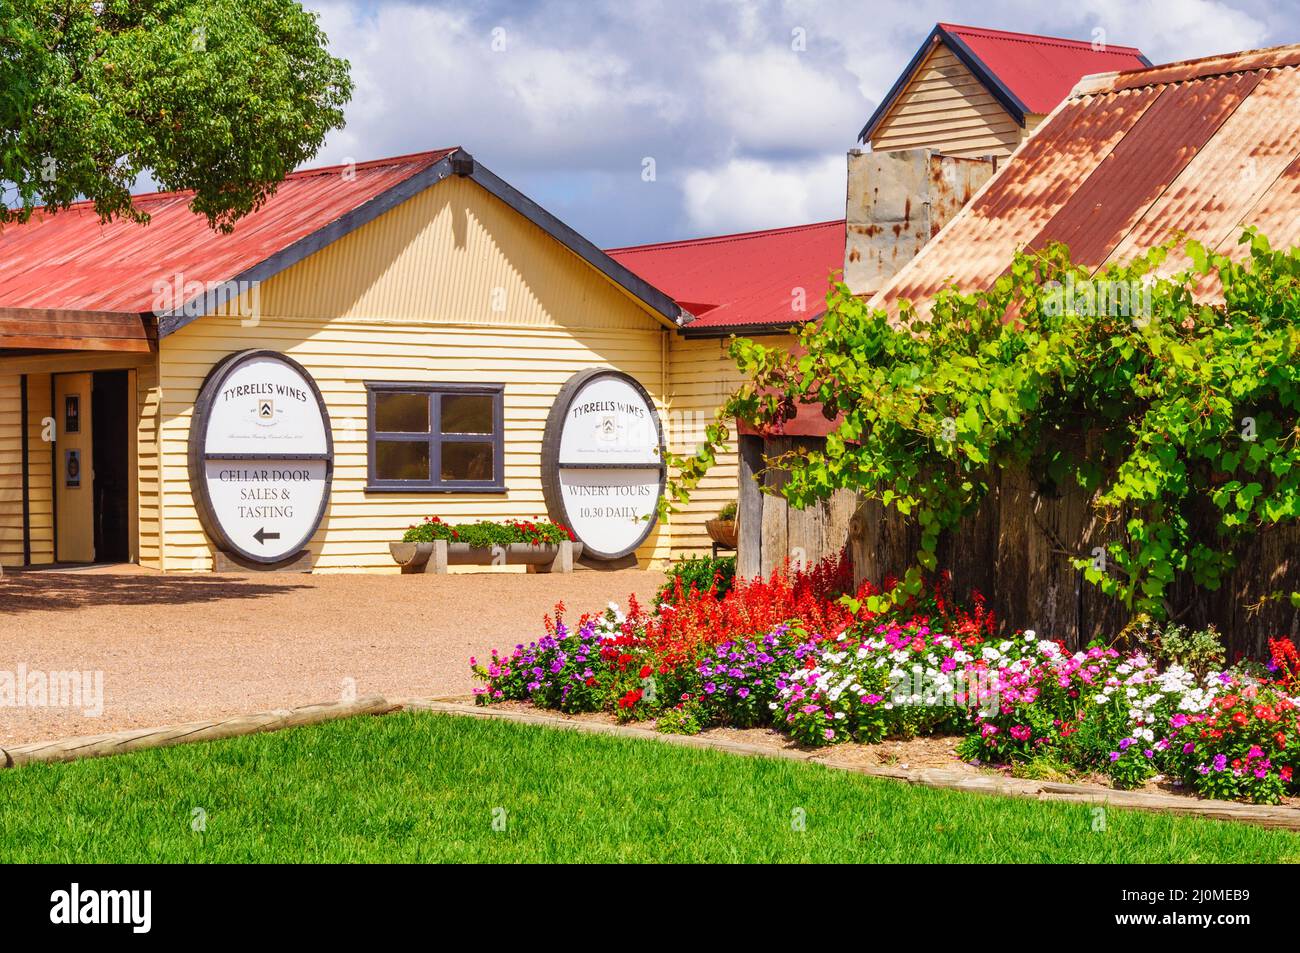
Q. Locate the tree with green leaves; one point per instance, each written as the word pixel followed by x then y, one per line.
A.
pixel 221 97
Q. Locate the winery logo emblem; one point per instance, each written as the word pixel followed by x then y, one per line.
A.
pixel 265 409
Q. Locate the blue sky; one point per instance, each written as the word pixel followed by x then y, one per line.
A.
pixel 568 100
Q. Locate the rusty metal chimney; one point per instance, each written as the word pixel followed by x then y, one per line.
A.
pixel 897 201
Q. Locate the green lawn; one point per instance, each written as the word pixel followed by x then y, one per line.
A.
pixel 420 787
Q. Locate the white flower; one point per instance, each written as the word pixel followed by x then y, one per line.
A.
pixel 1101 699
pixel 1030 635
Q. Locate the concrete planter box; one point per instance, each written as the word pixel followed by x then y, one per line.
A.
pixel 436 556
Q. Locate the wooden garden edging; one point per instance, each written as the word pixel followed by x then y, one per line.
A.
pixel 1263 815
pixel 139 739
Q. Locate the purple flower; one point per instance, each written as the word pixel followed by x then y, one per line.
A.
pixel 743 692
pixel 710 688
pixel 1220 762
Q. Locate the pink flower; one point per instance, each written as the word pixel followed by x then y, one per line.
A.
pixel 1020 732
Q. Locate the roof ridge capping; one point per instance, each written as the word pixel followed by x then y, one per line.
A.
pixel 1218 64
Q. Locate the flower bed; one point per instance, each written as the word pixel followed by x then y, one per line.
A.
pixel 790 653
pixel 487 534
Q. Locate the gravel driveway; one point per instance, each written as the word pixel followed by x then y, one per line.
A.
pixel 176 648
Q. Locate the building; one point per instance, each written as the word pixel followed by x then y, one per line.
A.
pixel 1129 160
pixel 1199 150
pixel 436 312
pixel 397 290
pixel 972 92
pixel 967 100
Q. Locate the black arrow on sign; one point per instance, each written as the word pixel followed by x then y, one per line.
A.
pixel 262 535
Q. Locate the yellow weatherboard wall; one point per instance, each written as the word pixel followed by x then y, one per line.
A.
pixel 41 423
pixel 702 376
pixel 452 286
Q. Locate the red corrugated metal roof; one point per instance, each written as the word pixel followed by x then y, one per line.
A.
pixel 1040 71
pixel 1130 160
pixel 744 280
pixel 1024 72
pixel 70 260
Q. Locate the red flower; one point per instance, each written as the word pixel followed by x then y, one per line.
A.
pixel 646 670
pixel 630 699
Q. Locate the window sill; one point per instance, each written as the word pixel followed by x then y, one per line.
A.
pixel 437 489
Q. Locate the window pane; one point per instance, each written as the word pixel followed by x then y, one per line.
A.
pixel 467 461
pixel 401 460
pixel 401 413
pixel 466 413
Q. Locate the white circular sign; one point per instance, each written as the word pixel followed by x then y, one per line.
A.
pixel 261 456
pixel 602 464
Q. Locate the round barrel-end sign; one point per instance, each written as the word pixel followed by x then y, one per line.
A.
pixel 261 456
pixel 602 462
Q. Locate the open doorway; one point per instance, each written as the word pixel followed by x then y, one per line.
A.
pixel 110 462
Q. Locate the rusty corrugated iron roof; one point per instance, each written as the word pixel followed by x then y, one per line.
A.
pixel 1129 160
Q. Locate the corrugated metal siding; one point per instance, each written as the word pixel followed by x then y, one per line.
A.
pixel 1041 70
pixel 1021 198
pixel 946 107
pixel 1251 150
pixel 412 302
pixel 753 278
pixel 1122 187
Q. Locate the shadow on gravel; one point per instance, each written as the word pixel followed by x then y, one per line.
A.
pixel 33 592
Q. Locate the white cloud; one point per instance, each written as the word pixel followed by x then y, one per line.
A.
pixel 1168 30
pixel 745 131
pixel 747 194
pixel 774 99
